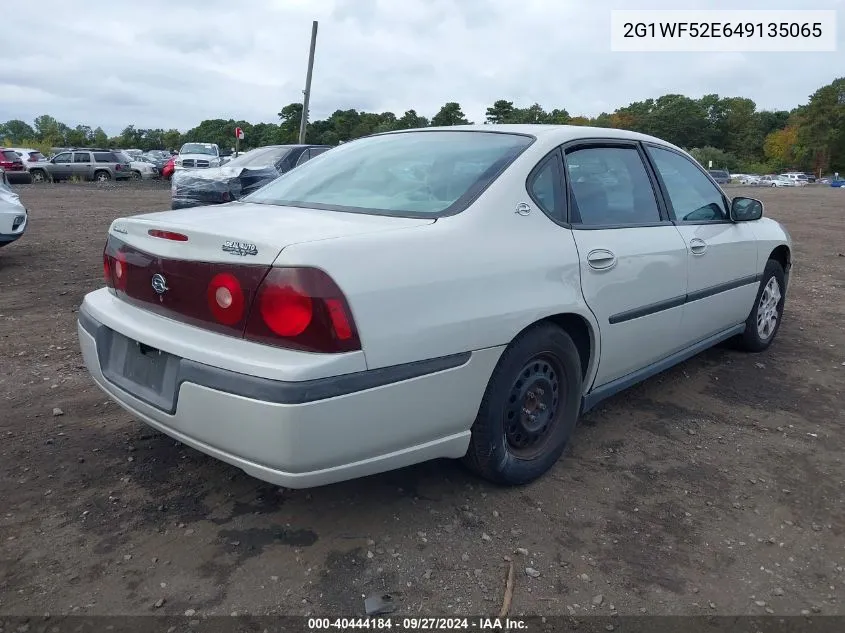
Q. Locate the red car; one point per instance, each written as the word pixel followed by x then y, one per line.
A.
pixel 12 164
pixel 167 170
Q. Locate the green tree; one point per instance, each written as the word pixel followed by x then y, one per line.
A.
pixel 821 128
pixel 99 138
pixel 501 111
pixel 720 158
pixel 291 118
pixel 449 114
pixel 16 131
pixel 49 130
pixel 411 120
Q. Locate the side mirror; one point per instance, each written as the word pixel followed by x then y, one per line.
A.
pixel 746 209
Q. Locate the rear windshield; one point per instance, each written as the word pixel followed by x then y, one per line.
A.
pixel 9 155
pixel 105 157
pixel 262 157
pixel 35 156
pixel 409 174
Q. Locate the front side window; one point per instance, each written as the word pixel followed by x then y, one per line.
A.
pixel 407 174
pixel 693 197
pixel 63 158
pixel 610 186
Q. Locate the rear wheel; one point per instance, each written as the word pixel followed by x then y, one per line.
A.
pixel 102 176
pixel 530 408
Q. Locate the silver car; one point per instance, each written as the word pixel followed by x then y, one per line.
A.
pixel 101 165
pixel 13 215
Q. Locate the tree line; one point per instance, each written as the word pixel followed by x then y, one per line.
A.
pixel 729 131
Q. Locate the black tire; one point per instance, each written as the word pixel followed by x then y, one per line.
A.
pixel 542 361
pixel 39 176
pixel 136 175
pixel 754 338
pixel 102 176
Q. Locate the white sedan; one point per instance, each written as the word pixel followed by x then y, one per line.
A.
pixel 13 215
pixel 462 292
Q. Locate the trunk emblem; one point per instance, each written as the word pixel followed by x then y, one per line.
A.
pixel 239 248
pixel 159 284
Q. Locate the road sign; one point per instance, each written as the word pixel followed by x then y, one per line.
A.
pixel 239 134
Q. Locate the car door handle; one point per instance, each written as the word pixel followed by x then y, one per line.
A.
pixel 601 259
pixel 697 246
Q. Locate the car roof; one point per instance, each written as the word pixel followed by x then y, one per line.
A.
pixel 550 133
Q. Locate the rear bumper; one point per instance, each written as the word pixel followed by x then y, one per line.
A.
pixel 22 177
pixel 304 433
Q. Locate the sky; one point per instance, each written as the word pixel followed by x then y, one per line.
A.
pixel 173 63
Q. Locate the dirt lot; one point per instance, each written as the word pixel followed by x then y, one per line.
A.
pixel 717 487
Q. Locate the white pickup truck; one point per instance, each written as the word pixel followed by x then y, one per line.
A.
pixel 198 156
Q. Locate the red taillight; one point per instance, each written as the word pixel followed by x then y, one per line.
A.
pixel 226 298
pixel 107 270
pixel 285 311
pixel 117 167
pixel 168 235
pixel 302 308
pixel 120 271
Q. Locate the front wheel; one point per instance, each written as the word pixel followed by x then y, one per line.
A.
pixel 529 409
pixel 764 321
pixel 136 175
pixel 38 176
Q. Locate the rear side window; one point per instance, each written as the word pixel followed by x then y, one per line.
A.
pixel 105 157
pixel 81 157
pixel 610 186
pixel 409 174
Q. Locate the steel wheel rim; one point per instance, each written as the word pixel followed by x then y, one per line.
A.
pixel 532 406
pixel 37 177
pixel 102 177
pixel 767 309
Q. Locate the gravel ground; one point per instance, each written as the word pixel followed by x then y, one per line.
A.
pixel 714 488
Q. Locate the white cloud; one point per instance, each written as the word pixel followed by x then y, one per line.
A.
pixel 162 63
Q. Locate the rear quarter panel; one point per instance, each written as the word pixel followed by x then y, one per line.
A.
pixel 467 282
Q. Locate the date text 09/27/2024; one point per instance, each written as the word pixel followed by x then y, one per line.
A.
pixel 387 623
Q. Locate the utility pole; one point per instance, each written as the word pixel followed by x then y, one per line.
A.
pixel 303 124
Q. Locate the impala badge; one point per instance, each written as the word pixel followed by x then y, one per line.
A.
pixel 239 248
pixel 159 284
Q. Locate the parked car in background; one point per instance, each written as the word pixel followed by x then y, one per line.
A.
pixel 28 156
pixel 773 180
pixel 158 157
pixel 798 178
pixel 169 168
pixel 143 168
pixel 13 167
pixel 720 176
pixel 13 215
pixel 198 156
pixel 811 178
pixel 239 177
pixel 85 164
pixel 749 179
pixel 133 153
pixel 354 316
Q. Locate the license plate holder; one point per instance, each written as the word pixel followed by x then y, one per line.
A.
pixel 145 372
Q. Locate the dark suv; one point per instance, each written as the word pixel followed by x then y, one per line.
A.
pixel 84 164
